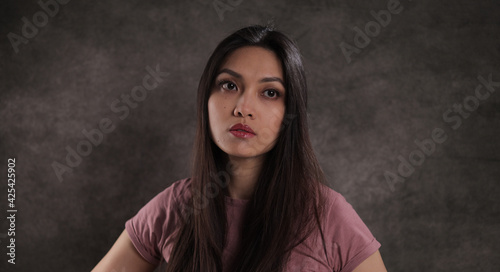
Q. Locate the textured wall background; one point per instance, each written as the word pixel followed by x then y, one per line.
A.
pixel 443 216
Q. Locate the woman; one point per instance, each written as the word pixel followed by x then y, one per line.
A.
pixel 257 199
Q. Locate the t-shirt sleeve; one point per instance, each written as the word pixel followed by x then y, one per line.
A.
pixel 153 227
pixel 352 241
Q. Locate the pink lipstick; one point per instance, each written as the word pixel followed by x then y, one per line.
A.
pixel 242 131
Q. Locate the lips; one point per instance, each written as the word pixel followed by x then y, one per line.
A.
pixel 242 131
pixel 241 127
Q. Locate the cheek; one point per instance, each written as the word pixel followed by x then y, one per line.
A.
pixel 215 112
pixel 212 114
pixel 276 118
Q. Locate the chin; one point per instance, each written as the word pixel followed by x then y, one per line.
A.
pixel 247 153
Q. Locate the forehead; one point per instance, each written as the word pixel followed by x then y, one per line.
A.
pixel 254 61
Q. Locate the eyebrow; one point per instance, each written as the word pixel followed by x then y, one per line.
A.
pixel 236 75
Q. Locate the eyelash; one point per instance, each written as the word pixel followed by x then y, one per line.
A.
pixel 220 83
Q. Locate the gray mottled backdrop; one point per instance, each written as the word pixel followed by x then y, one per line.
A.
pixel 384 79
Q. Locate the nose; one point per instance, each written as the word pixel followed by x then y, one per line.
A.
pixel 245 105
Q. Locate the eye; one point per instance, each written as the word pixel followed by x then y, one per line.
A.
pixel 272 93
pixel 228 85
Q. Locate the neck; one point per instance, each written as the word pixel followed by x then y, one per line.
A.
pixel 244 175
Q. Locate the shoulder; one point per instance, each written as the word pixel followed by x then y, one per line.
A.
pixel 345 232
pixel 153 228
pixel 334 203
pixel 167 201
pixel 180 189
pixel 177 191
pixel 174 197
pixel 339 214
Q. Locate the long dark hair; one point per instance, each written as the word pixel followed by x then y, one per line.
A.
pixel 287 202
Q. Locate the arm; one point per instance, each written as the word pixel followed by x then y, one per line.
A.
pixel 373 263
pixel 123 257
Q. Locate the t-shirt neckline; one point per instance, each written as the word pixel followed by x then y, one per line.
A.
pixel 236 202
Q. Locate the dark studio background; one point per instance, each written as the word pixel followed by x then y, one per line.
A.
pixel 364 114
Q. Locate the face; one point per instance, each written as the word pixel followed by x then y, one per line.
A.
pixel 247 103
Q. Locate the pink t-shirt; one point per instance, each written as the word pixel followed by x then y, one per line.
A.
pixel 348 240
